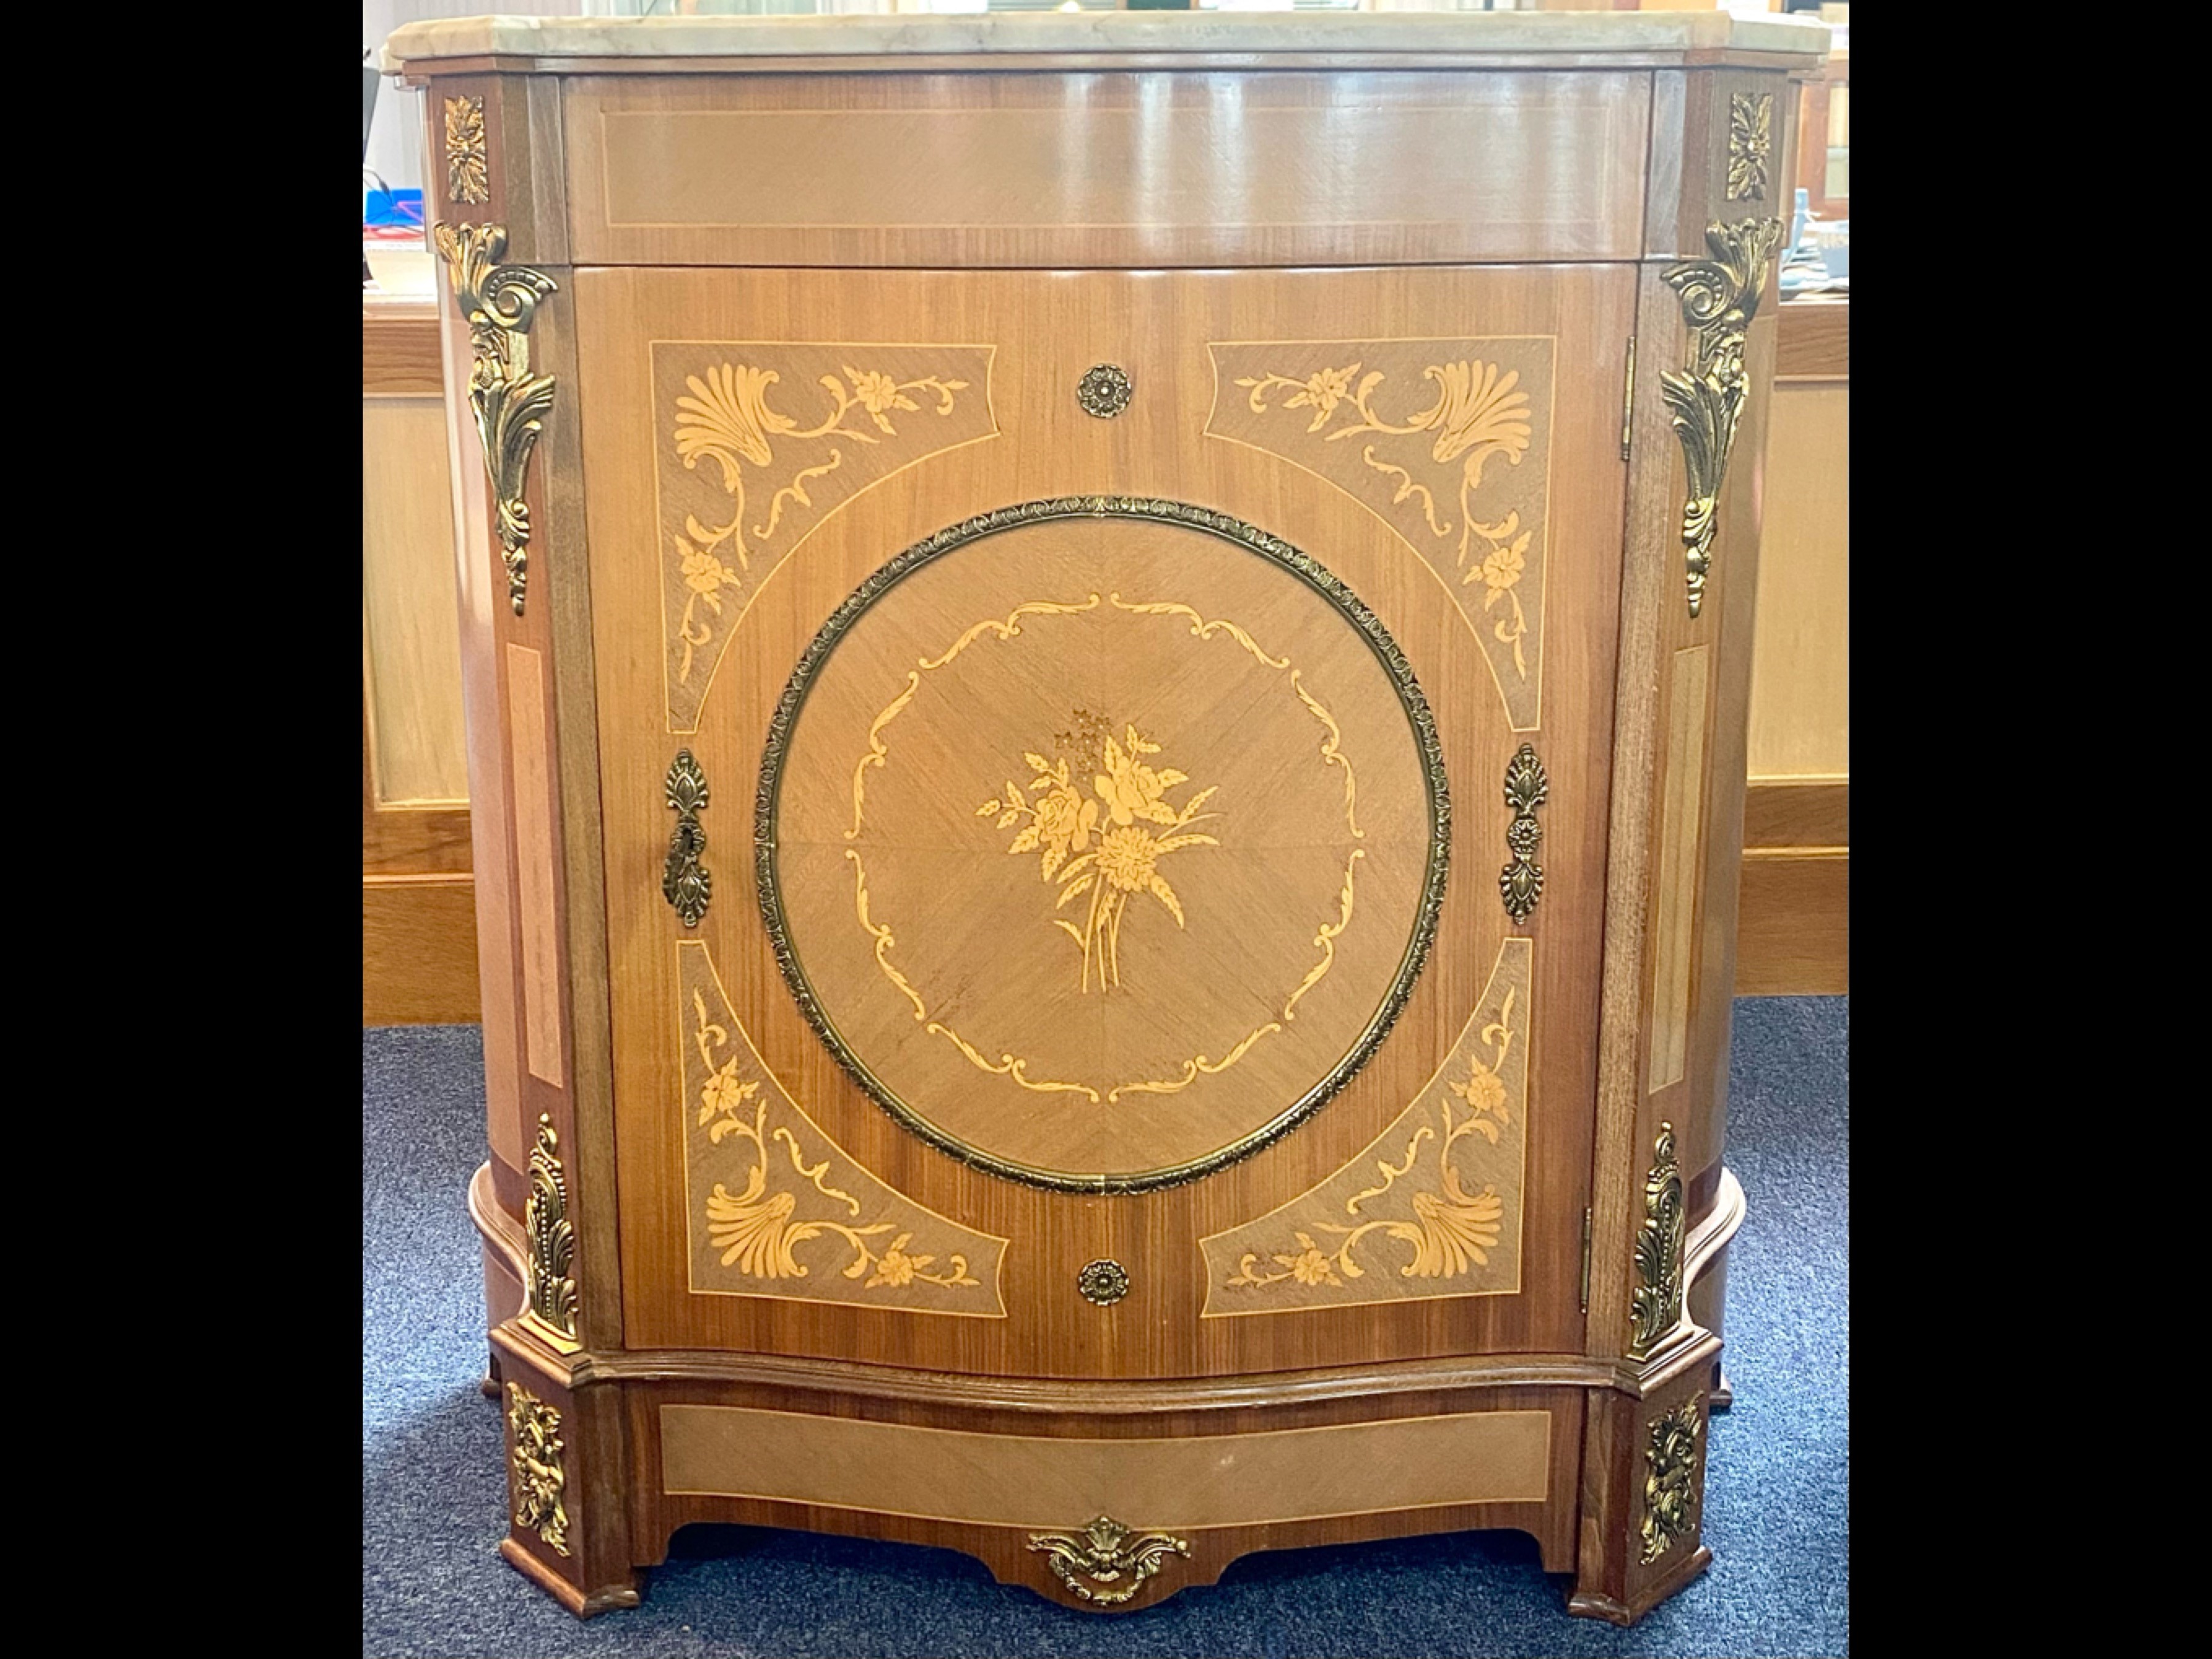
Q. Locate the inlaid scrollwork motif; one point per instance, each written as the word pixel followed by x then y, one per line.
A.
pixel 876 408
pixel 876 760
pixel 468 167
pixel 1656 1306
pixel 758 1231
pixel 510 403
pixel 1670 1482
pixel 1751 142
pixel 1429 434
pixel 686 883
pixel 1521 883
pixel 552 1237
pixel 1450 1230
pixel 535 1475
pixel 798 1187
pixel 1719 296
pixel 1106 1562
pixel 1477 416
pixel 1091 842
pixel 1449 1172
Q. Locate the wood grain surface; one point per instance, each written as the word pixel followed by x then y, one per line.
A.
pixel 1094 807
pixel 1106 170
pixel 1049 330
pixel 1157 977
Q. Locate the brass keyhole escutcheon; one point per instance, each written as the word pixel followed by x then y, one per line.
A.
pixel 685 882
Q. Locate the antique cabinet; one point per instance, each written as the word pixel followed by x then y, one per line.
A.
pixel 1106 662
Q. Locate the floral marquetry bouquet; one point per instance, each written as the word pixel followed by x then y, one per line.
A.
pixel 1095 846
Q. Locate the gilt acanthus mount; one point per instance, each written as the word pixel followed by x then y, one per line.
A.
pixel 1719 295
pixel 1655 1308
pixel 537 1479
pixel 1106 1563
pixel 1671 1484
pixel 1751 144
pixel 552 1239
pixel 468 178
pixel 510 403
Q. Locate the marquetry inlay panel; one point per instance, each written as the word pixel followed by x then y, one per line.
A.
pixel 758 442
pixel 776 1208
pixel 1447 441
pixel 1432 1206
pixel 1105 841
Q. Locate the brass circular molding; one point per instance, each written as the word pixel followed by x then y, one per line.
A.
pixel 1104 391
pixel 1104 1282
pixel 1102 840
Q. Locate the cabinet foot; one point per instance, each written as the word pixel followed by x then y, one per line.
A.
pixel 584 1604
pixel 1588 1604
pixel 1643 1478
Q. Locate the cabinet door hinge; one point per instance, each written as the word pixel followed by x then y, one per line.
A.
pixel 1586 1253
pixel 1628 398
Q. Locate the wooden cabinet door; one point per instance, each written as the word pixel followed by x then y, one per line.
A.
pixel 1090 699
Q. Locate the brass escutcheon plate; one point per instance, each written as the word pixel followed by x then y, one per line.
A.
pixel 1104 392
pixel 1104 1282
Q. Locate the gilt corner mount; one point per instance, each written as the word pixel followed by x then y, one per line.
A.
pixel 552 1239
pixel 510 403
pixel 1720 295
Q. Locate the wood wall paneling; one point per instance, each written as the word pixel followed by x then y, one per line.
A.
pixel 1800 723
pixel 418 950
pixel 418 926
pixel 1794 933
pixel 410 636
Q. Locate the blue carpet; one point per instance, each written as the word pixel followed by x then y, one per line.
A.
pixel 1777 1516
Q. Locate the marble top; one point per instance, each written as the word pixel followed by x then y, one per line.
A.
pixel 1132 34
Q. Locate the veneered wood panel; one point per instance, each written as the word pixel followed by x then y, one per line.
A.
pixel 529 741
pixel 656 1512
pixel 1681 830
pixel 1111 169
pixel 1048 330
pixel 995 1479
